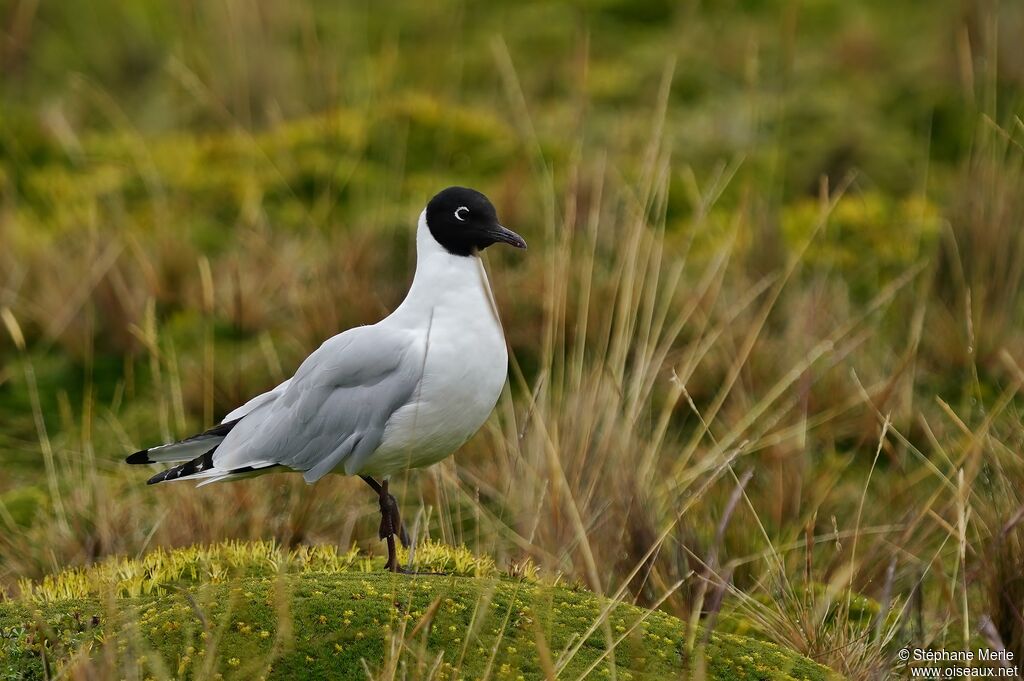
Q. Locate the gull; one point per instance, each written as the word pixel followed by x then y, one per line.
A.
pixel 375 400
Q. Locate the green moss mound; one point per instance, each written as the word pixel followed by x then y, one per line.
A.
pixel 250 611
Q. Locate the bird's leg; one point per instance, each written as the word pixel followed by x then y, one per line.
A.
pixel 390 521
pixel 390 524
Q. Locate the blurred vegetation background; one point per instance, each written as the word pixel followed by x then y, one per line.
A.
pixel 770 236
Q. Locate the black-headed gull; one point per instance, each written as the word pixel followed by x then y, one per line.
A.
pixel 403 393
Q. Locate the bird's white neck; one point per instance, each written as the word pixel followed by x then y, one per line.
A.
pixel 442 278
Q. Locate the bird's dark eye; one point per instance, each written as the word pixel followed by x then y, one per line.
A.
pixel 460 213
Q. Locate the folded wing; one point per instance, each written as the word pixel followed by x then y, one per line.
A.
pixel 332 411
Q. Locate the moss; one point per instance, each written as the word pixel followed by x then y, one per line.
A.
pixel 251 610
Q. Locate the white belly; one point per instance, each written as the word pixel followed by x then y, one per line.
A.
pixel 464 370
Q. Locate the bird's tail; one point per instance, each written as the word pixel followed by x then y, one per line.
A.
pixel 199 467
pixel 203 469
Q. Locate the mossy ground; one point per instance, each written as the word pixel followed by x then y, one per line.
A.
pixel 250 611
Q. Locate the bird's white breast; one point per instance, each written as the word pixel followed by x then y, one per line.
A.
pixel 453 326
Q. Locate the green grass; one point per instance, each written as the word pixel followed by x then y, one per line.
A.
pixel 252 611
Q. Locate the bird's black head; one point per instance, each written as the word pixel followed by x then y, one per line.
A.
pixel 464 222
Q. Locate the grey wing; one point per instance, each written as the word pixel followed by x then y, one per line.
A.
pixel 332 411
pixel 257 402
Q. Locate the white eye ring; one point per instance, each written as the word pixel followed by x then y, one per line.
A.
pixel 459 217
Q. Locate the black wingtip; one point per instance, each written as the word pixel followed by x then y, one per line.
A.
pixel 139 457
pixel 199 464
pixel 169 474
